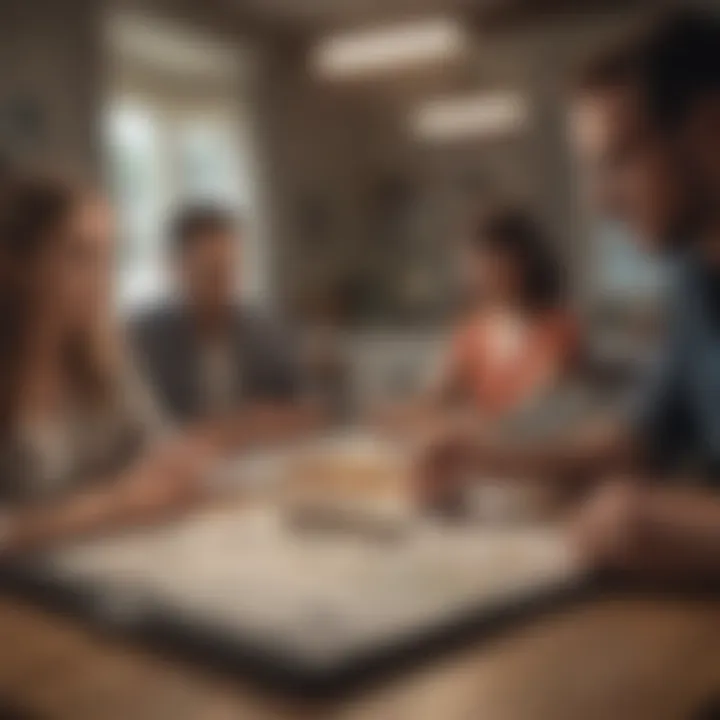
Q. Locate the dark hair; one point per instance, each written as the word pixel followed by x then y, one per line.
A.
pixel 680 65
pixel 191 223
pixel 671 67
pixel 513 233
pixel 32 211
pixel 617 67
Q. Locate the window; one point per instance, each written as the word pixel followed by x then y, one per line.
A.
pixel 137 185
pixel 176 130
pixel 159 158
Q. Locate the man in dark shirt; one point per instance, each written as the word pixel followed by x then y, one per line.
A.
pixel 648 122
pixel 648 126
pixel 209 357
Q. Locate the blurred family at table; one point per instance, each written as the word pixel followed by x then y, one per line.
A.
pixel 100 427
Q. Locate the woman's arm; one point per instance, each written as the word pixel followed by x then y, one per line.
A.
pixel 164 483
pixel 261 424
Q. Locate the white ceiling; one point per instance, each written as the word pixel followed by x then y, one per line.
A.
pixel 315 15
pixel 161 45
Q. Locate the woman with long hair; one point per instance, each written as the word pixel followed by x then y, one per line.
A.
pixel 76 427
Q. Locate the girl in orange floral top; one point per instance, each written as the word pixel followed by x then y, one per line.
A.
pixel 518 339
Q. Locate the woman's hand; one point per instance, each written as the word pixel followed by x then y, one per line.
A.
pixel 172 476
pixel 168 480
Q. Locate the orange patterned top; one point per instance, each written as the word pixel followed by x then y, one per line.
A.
pixel 501 362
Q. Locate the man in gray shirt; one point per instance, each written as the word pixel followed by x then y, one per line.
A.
pixel 205 353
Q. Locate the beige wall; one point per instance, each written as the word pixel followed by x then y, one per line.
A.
pixel 52 63
pixel 316 140
pixel 332 142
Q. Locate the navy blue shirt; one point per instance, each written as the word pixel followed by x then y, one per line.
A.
pixel 679 418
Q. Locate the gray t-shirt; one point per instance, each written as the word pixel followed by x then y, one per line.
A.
pixel 80 446
pixel 256 362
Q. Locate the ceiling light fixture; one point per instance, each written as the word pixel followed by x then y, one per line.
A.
pixel 477 115
pixel 389 47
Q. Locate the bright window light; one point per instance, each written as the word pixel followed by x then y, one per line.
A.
pixel 389 47
pixel 484 115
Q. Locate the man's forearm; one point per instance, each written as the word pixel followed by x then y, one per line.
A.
pixel 569 458
pixel 653 533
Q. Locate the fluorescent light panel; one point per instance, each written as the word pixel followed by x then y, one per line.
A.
pixel 389 47
pixel 477 115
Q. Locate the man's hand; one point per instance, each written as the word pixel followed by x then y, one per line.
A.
pixel 659 533
pixel 609 530
pixel 442 464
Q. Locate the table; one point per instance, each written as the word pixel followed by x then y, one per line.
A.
pixel 622 657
